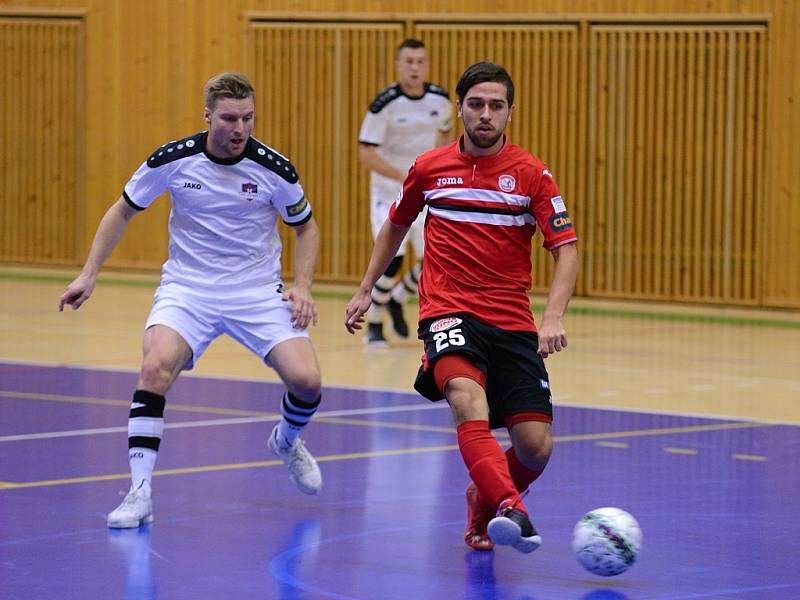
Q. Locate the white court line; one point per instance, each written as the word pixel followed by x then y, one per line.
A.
pixel 559 400
pixel 215 422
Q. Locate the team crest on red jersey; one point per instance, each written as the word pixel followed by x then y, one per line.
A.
pixel 507 183
pixel 443 324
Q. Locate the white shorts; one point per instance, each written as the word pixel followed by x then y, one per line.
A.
pixel 257 318
pixel 378 213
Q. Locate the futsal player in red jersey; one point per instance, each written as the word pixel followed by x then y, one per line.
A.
pixel 483 353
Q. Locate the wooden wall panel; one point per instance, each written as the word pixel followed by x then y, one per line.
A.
pixel 677 155
pixel 40 133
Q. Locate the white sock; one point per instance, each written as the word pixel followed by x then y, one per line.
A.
pixel 143 462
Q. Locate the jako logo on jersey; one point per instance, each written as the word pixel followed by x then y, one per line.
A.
pixel 449 181
pixel 507 183
pixel 443 324
pixel 560 222
pixel 192 185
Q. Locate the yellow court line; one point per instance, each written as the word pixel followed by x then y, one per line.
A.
pixel 224 467
pixel 109 402
pixel 686 451
pixel 373 454
pixel 753 457
pixel 613 444
pixel 664 431
pixel 383 424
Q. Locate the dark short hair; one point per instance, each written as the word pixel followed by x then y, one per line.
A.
pixel 228 85
pixel 481 72
pixel 410 43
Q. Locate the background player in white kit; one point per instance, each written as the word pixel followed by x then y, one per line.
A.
pixel 223 275
pixel 406 119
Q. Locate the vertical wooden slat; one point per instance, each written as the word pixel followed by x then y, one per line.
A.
pixel 760 207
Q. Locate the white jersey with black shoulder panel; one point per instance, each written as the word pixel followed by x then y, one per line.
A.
pixel 223 223
pixel 402 128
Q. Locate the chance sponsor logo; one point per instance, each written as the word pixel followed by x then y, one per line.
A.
pixel 443 324
pixel 449 181
pixel 560 222
pixel 297 207
pixel 507 183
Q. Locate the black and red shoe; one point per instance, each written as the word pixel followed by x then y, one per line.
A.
pixel 512 527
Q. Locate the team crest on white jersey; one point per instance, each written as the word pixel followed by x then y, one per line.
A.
pixel 507 183
pixel 443 324
pixel 249 191
pixel 449 181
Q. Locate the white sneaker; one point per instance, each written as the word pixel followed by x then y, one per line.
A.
pixel 304 470
pixel 136 509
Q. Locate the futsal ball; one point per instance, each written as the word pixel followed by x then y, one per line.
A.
pixel 607 541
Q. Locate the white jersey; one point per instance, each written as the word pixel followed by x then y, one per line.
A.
pixel 402 128
pixel 223 224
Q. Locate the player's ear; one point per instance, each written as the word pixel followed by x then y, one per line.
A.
pixel 207 115
pixel 458 109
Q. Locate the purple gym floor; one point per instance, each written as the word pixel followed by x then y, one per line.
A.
pixel 717 500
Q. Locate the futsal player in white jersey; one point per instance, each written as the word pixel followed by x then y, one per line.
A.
pixel 223 275
pixel 409 117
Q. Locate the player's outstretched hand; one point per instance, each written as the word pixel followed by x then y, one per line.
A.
pixel 304 309
pixel 552 337
pixel 354 313
pixel 77 292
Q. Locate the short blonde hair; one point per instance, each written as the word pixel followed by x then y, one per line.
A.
pixel 228 85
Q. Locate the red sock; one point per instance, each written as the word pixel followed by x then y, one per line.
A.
pixel 522 475
pixel 487 464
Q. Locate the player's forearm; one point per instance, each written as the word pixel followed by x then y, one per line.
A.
pixel 563 283
pixel 370 159
pixel 386 246
pixel 306 254
pixel 109 233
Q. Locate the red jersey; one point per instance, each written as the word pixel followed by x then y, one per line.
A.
pixel 483 212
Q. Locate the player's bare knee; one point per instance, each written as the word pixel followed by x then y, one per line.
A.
pixel 465 405
pixel 307 385
pixel 154 376
pixel 534 453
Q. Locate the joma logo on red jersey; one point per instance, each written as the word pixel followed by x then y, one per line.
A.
pixel 449 181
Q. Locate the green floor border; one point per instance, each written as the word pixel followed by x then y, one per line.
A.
pixel 576 310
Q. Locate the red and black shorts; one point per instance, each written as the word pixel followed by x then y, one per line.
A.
pixel 516 378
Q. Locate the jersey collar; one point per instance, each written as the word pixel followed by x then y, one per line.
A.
pixel 225 161
pixel 474 159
